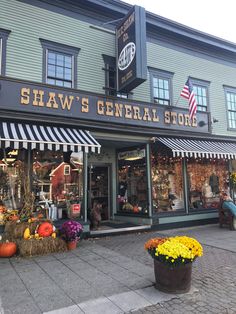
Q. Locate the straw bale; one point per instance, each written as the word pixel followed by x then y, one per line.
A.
pixel 44 246
pixel 16 230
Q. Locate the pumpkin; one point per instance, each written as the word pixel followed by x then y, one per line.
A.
pixel 7 249
pixel 45 229
pixel 27 233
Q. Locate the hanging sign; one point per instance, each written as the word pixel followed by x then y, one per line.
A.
pixel 131 50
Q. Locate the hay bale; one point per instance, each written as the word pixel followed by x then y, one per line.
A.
pixel 16 230
pixel 44 246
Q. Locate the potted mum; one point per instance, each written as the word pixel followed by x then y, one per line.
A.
pixel 173 258
pixel 71 231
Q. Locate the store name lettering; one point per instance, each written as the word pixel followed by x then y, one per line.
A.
pixel 53 100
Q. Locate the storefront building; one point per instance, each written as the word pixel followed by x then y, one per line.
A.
pixel 79 131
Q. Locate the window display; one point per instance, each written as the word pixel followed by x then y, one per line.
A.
pixel 167 183
pixel 132 182
pixel 50 183
pixel 207 178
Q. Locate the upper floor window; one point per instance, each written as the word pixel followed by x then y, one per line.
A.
pixel 200 89
pixel 161 86
pixel 59 69
pixel 3 44
pixel 110 77
pixel 231 107
pixel 201 97
pixel 59 64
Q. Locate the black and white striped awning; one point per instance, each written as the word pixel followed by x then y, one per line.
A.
pixel 200 149
pixel 31 136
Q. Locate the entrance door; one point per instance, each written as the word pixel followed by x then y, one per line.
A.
pixel 99 188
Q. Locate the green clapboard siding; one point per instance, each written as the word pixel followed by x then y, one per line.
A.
pixel 24 52
pixel 24 56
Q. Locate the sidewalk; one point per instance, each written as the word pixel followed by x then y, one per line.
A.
pixel 115 275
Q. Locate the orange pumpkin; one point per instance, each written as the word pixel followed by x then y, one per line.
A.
pixel 7 249
pixel 45 229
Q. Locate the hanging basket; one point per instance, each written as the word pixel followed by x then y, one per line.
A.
pixel 173 279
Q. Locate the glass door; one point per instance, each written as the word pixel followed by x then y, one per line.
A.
pixel 99 191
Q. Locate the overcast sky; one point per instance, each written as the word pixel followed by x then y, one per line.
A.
pixel 217 18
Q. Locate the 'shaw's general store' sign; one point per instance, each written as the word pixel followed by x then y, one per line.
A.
pixel 39 98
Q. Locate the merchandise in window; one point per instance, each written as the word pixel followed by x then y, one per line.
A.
pixel 167 181
pixel 206 180
pixel 41 187
pixel 132 182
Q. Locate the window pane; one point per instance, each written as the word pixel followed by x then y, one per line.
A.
pixel 67 84
pixel 68 62
pixel 59 72
pixel 205 181
pixel 51 70
pixel 51 57
pixel 59 83
pixel 60 60
pixel 67 75
pixel 51 81
pixel 167 182
pixel 132 186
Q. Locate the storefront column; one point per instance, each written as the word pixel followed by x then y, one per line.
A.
pixel 149 183
pixel 186 192
pixel 85 186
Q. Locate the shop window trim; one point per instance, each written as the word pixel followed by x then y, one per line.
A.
pixel 110 67
pixel 202 84
pixel 3 50
pixel 163 75
pixel 230 90
pixel 60 49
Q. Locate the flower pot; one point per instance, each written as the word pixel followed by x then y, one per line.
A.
pixel 173 279
pixel 71 245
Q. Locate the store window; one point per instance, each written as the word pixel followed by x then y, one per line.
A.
pixel 161 86
pixel 110 77
pixel 167 180
pixel 59 64
pixel 206 180
pixel 3 44
pixel 231 107
pixel 56 180
pixel 200 89
pixel 132 182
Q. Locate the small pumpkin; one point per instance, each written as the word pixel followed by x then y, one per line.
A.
pixel 7 249
pixel 45 229
pixel 27 234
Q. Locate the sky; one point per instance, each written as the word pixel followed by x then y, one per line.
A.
pixel 217 18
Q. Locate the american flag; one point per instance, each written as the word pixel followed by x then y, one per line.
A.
pixel 188 93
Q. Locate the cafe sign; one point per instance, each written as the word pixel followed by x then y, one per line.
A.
pixel 41 99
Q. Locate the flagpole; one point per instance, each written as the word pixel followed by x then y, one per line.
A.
pixel 177 101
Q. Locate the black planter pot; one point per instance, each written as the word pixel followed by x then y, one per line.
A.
pixel 173 279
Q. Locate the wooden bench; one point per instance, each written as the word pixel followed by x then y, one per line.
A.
pixel 226 217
